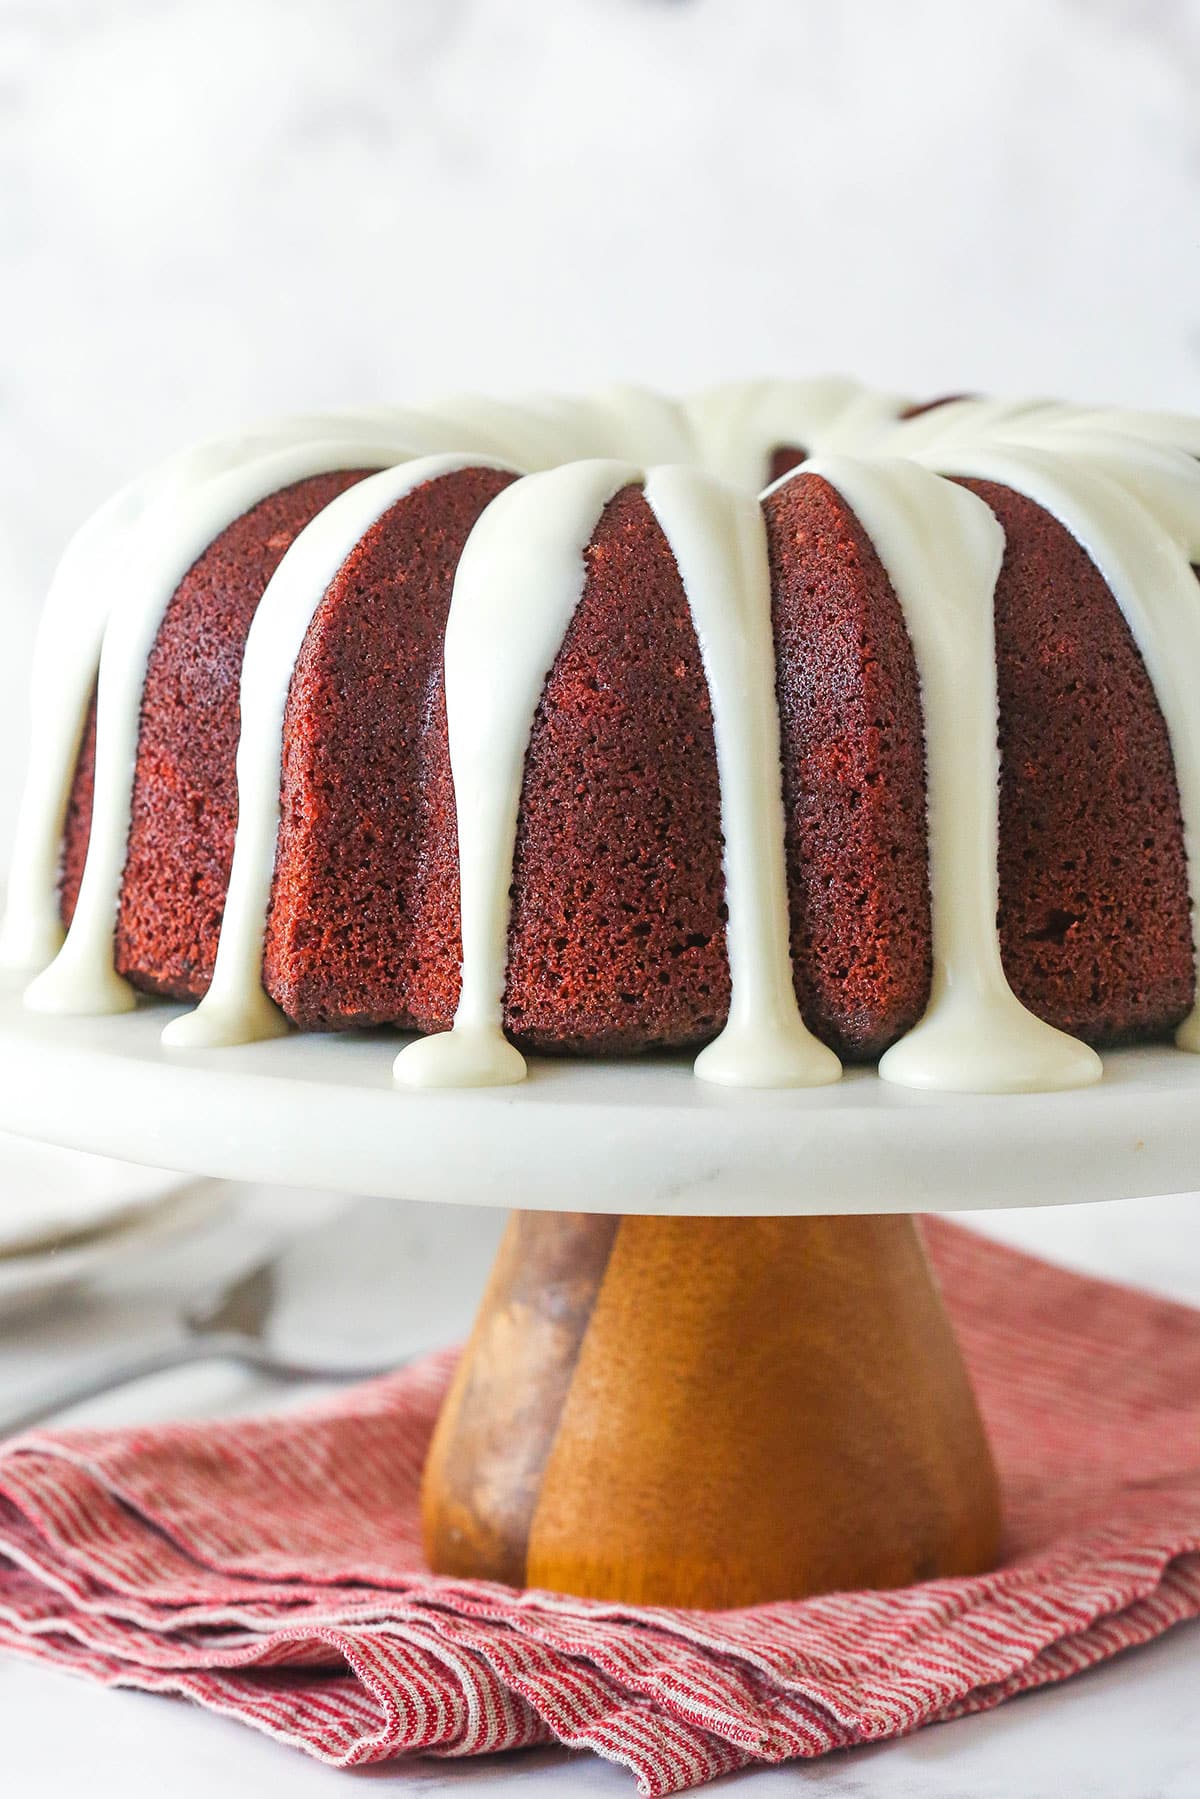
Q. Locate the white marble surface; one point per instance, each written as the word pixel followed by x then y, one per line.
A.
pixel 319 1108
pixel 1129 1730
pixel 211 212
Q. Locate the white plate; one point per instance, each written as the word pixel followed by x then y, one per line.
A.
pixel 177 1209
pixel 625 1136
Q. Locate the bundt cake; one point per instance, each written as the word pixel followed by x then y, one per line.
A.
pixel 538 727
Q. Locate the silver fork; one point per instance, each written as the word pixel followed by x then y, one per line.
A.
pixel 229 1326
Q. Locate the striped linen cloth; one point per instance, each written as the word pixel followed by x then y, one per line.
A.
pixel 270 1568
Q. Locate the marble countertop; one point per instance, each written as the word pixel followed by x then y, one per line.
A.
pixel 1128 1730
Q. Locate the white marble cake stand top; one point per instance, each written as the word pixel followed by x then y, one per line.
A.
pixel 630 1136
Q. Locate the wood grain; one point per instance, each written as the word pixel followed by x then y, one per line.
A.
pixel 497 1426
pixel 711 1412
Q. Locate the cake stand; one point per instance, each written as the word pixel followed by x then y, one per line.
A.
pixel 711 1366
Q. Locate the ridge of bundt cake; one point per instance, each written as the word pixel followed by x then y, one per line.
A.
pixel 617 937
pixel 853 775
pixel 345 928
pixel 1094 911
pixel 694 769
pixel 184 808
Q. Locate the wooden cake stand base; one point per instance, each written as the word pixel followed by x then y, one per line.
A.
pixel 710 1412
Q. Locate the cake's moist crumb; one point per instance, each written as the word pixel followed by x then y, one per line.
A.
pixel 345 930
pixel 185 789
pixel 853 775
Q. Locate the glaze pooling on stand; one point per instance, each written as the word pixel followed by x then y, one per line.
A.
pixel 1125 485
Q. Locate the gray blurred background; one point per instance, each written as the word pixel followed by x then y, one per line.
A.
pixel 216 209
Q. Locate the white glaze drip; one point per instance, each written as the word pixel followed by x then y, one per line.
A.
pixel 635 424
pixel 860 428
pixel 82 978
pixel 236 1009
pixel 941 548
pixel 1144 547
pixel 92 575
pixel 520 578
pixel 1174 430
pixel 65 659
pixel 1114 478
pixel 521 432
pixel 972 419
pixel 739 424
pixel 719 540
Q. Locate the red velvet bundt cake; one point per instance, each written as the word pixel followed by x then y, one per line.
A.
pixel 472 723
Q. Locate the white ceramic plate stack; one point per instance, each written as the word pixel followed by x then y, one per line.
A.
pixel 67 1217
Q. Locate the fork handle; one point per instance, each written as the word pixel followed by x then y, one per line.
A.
pixel 105 1375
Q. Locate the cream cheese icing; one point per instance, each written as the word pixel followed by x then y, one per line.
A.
pixel 1126 485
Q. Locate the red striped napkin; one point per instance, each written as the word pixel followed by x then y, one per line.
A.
pixel 270 1568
